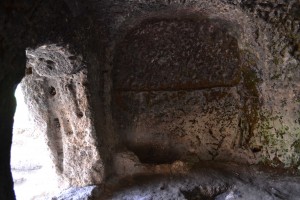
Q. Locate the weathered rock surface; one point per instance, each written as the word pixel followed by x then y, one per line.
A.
pixel 187 53
pixel 167 80
pixel 207 181
pixel 57 98
pixel 195 80
pixel 178 91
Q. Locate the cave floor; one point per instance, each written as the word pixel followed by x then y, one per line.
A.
pixel 208 180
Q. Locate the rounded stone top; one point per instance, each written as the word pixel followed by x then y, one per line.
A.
pixel 54 61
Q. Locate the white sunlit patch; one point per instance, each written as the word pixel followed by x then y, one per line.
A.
pixel 141 197
pixel 21 118
pixel 33 174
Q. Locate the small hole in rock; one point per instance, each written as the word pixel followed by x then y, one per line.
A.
pixel 52 91
pixel 69 86
pixel 79 114
pixel 72 57
pixel 256 149
pixel 28 71
pixel 50 67
pixel 69 133
pixel 50 62
pixel 147 153
pixel 162 187
pixel 56 122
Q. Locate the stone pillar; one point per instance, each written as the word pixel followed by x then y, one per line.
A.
pixel 56 93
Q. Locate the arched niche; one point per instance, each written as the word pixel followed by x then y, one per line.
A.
pixel 179 90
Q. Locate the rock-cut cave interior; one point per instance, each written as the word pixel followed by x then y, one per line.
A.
pixel 160 99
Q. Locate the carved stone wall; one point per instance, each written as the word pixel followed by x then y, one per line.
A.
pixel 179 91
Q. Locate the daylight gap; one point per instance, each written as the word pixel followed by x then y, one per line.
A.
pixel 32 169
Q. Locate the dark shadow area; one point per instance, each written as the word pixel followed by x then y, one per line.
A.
pixel 149 154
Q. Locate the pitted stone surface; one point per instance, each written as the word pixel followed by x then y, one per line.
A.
pixel 54 61
pixel 179 92
pixel 166 126
pixel 61 112
pixel 170 54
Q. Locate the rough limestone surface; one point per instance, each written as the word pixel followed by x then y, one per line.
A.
pixel 209 80
pixel 56 95
pixel 154 82
pixel 179 91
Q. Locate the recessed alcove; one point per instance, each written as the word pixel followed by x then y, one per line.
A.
pixel 179 90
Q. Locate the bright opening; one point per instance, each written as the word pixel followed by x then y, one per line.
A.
pixel 33 172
